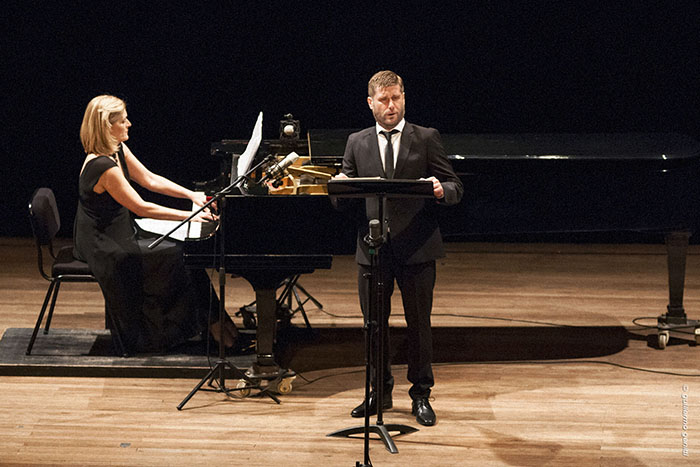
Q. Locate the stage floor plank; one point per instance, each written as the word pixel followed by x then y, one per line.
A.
pixel 540 361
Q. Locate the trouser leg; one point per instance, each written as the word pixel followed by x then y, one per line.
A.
pixel 416 282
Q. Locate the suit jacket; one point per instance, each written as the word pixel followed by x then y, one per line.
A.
pixel 413 228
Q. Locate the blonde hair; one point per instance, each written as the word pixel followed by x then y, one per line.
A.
pixel 100 114
pixel 383 79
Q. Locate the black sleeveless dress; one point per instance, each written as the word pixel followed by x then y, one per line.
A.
pixel 154 300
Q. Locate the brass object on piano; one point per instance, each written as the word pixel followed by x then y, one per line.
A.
pixel 320 159
pixel 304 179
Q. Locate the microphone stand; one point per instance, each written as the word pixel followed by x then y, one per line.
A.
pixel 375 330
pixel 374 239
pixel 221 363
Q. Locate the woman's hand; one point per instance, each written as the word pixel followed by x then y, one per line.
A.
pixel 198 198
pixel 205 216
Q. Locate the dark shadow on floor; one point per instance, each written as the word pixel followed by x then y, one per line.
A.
pixel 305 350
pixel 89 352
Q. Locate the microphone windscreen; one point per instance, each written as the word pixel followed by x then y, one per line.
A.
pixel 289 160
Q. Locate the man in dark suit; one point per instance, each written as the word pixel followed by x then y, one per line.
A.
pixel 415 241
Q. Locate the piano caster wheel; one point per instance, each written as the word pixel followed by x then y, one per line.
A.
pixel 243 391
pixel 285 386
pixel 663 339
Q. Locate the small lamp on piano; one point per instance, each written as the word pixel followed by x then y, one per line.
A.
pixel 289 129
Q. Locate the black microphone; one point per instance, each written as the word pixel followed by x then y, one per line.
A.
pixel 277 170
pixel 375 230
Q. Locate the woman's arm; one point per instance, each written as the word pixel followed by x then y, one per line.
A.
pixel 157 183
pixel 113 181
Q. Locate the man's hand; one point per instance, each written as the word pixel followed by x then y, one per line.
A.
pixel 438 191
pixel 340 175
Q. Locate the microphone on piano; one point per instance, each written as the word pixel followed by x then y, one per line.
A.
pixel 276 171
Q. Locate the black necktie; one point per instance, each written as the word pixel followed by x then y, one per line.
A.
pixel 389 153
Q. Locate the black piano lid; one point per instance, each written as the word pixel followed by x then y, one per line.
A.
pixel 328 146
pixel 529 183
pixel 597 146
pixel 668 148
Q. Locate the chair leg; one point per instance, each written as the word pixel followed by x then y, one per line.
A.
pixel 49 293
pixel 53 305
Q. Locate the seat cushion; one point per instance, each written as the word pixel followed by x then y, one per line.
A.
pixel 66 264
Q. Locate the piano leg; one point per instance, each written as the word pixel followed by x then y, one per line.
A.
pixel 265 284
pixel 677 250
pixel 266 307
pixel 675 320
pixel 265 368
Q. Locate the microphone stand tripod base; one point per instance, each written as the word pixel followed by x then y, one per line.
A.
pixel 381 430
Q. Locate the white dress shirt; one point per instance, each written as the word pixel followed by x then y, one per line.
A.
pixel 395 141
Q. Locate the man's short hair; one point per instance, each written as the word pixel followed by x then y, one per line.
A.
pixel 383 79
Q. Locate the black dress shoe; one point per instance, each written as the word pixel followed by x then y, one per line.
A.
pixel 359 411
pixel 423 412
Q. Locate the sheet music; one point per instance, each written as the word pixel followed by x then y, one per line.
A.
pixel 161 227
pixel 246 159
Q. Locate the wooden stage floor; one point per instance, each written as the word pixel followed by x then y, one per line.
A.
pixel 542 358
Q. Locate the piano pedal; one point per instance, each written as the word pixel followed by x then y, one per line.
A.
pixel 284 315
pixel 247 313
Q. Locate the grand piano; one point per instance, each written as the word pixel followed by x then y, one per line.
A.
pixel 517 187
pixel 634 187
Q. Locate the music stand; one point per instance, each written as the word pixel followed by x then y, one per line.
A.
pixel 221 363
pixel 381 189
